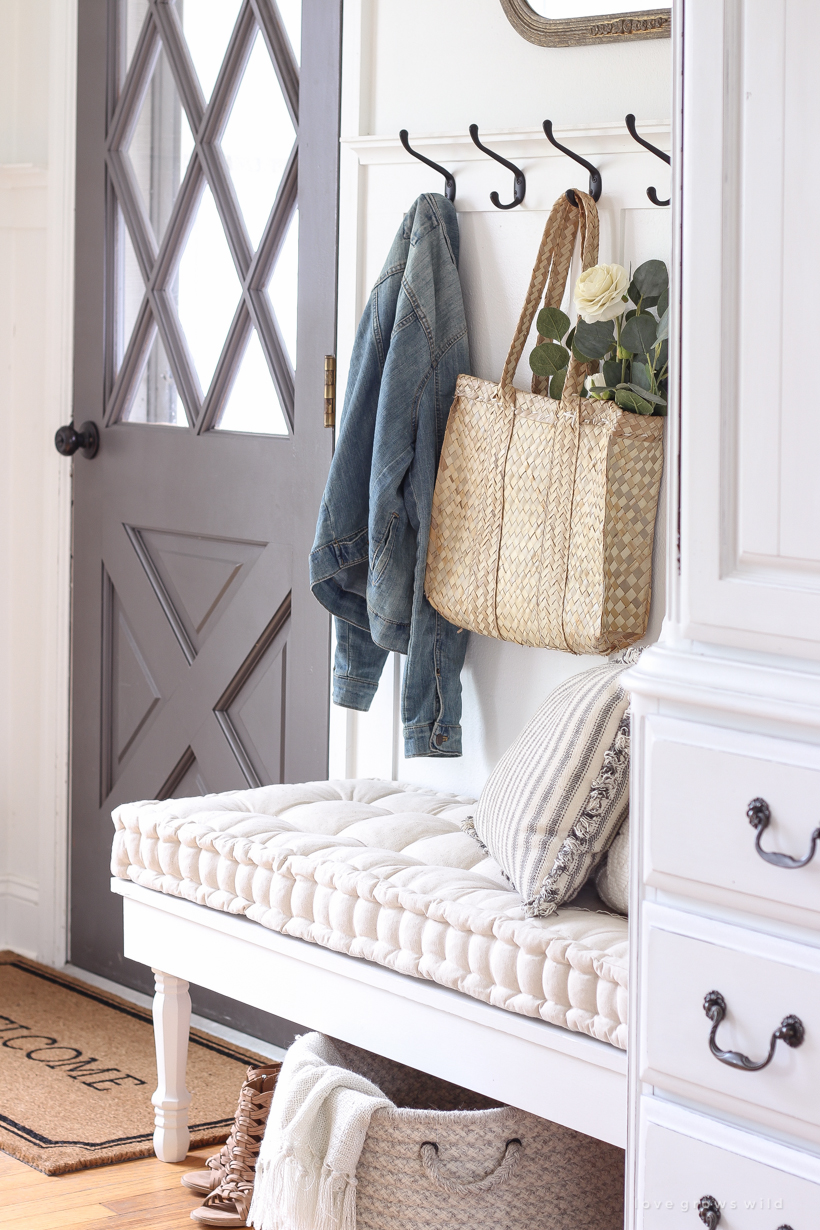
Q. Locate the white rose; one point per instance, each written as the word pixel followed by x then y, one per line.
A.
pixel 593 384
pixel 599 292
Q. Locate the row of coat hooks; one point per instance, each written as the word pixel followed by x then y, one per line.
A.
pixel 595 181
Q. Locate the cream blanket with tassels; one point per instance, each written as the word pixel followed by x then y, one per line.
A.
pixel 319 1116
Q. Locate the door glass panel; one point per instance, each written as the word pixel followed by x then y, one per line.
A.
pixel 200 274
pixel 253 404
pixel 160 146
pixel 132 16
pixel 156 399
pixel 258 139
pixel 284 284
pixel 207 26
pixel 207 289
pixel 130 290
pixel 291 13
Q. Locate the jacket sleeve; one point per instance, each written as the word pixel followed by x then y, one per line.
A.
pixel 357 666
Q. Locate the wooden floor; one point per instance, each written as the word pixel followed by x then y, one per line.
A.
pixel 143 1195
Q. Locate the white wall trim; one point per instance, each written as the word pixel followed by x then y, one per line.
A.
pixel 56 570
pixel 18 888
pixel 512 143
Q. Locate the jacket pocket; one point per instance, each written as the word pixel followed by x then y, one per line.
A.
pixel 381 556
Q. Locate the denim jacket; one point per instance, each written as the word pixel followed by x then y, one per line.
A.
pixel 368 560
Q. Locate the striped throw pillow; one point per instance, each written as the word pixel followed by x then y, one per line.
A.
pixel 612 877
pixel 559 794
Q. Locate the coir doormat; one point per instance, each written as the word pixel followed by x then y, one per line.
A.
pixel 77 1070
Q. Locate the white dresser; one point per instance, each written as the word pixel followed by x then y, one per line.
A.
pixel 725 980
pixel 721 742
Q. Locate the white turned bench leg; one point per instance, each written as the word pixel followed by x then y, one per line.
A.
pixel 172 1020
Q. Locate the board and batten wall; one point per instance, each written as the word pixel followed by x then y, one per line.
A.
pixel 454 64
pixel 37 58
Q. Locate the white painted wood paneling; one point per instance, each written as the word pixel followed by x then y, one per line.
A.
pixel 37 98
pixel 750 506
pixel 397 74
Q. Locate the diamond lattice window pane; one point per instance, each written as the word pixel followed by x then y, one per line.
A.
pixel 133 19
pixel 156 399
pixel 283 286
pixel 130 290
pixel 291 13
pixel 258 139
pixel 207 26
pixel 253 404
pixel 207 289
pixel 161 144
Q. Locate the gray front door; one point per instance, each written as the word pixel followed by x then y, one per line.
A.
pixel 205 271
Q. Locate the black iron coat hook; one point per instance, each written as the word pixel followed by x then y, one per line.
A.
pixel 520 181
pixel 595 182
pixel 653 149
pixel 449 179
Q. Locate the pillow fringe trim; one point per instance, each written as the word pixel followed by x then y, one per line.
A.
pixel 602 793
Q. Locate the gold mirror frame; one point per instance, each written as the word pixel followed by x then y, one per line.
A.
pixel 582 31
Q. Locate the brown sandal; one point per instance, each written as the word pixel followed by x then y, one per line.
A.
pixel 203 1182
pixel 230 1202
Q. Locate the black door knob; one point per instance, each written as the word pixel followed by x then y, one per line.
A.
pixel 68 440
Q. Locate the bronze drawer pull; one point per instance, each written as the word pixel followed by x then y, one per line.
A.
pixel 790 1030
pixel 760 816
pixel 709 1213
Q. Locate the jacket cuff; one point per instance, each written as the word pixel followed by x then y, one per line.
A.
pixel 353 693
pixel 432 739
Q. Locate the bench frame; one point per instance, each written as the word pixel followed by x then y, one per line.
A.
pixel 561 1075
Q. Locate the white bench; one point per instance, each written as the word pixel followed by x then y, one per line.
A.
pixel 193 873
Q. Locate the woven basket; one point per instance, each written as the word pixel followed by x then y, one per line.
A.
pixel 544 511
pixel 447 1159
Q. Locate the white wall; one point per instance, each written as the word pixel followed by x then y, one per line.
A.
pixel 37 55
pixel 453 64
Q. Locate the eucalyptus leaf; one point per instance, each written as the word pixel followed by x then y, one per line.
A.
pixel 662 356
pixel 552 323
pixel 557 384
pixel 641 375
pixel 663 327
pixel 651 278
pixel 548 359
pixel 599 393
pixel 663 303
pixel 647 395
pixel 643 302
pixel 570 338
pixel 611 372
pixel 638 334
pixel 594 341
pixel 632 312
pixel 629 400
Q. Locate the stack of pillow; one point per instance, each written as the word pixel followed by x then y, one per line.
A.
pixel 556 807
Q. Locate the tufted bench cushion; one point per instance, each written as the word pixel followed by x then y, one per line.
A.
pixel 382 871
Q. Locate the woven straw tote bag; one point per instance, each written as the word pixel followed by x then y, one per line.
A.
pixel 544 511
pixel 447 1159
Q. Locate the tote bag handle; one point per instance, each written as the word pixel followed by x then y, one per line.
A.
pixel 551 270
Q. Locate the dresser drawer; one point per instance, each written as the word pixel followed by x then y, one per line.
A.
pixel 762 981
pixel 700 782
pixel 678 1170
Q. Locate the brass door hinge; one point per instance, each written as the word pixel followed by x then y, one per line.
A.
pixel 330 390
